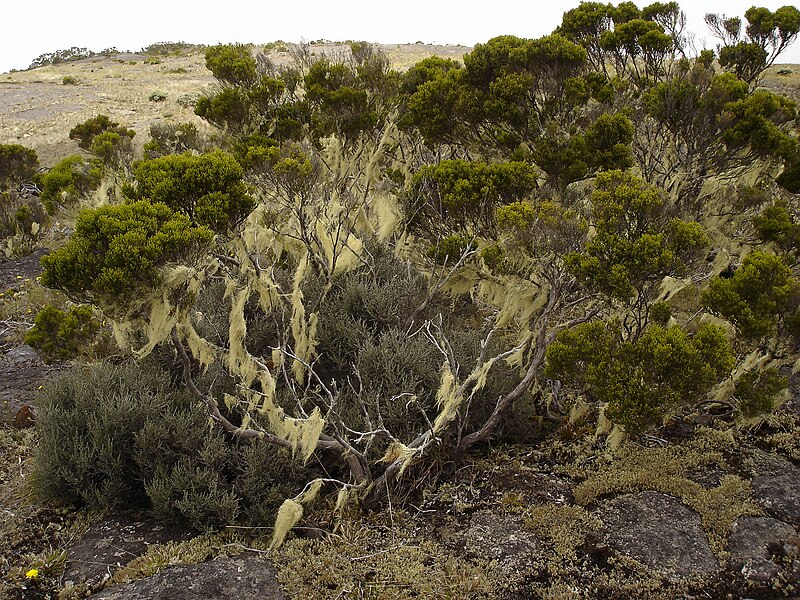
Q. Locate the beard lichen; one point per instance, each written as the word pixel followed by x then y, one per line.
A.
pixel 291 511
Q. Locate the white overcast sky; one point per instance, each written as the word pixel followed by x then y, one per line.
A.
pixel 34 27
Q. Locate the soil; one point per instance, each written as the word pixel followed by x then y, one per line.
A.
pixel 37 109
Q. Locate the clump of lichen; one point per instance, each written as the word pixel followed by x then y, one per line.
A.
pixel 782 434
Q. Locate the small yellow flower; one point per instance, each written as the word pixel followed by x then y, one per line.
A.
pixel 19 276
pixel 32 574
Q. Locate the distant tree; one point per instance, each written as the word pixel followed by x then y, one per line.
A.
pixel 17 164
pixel 767 35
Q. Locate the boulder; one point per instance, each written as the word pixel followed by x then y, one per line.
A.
pixel 761 547
pixel 243 577
pixel 660 532
pixel 110 545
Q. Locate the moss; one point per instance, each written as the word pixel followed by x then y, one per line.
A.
pixel 667 470
pixel 366 562
pixel 781 433
pixel 159 556
pixel 565 527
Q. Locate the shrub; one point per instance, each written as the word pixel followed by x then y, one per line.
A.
pixel 189 98
pixel 17 163
pixel 69 80
pixel 116 251
pixel 171 138
pixel 121 437
pixel 157 96
pixel 449 249
pixel 209 188
pixel 760 291
pixel 467 192
pixel 68 181
pixel 60 335
pixel 232 64
pixel 757 391
pixel 111 148
pixel 86 131
pixel 21 219
pixel 641 380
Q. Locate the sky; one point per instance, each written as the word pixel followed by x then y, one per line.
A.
pixel 33 28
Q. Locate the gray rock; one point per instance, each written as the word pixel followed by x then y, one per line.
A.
pixel 112 544
pixel 21 373
pixel 502 537
pixel 660 532
pixel 243 577
pixel 777 490
pixel 753 544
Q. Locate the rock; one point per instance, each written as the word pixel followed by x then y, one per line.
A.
pixel 112 544
pixel 242 577
pixel 14 272
pixel 777 490
pixel 502 537
pixel 758 544
pixel 660 532
pixel 21 373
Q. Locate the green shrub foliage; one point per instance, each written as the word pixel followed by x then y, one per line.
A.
pixel 466 193
pixel 756 296
pixel 86 132
pixel 17 163
pixel 115 252
pixel 68 181
pixel 636 242
pixel 640 381
pixel 207 188
pixel 172 138
pixel 62 335
pixel 757 391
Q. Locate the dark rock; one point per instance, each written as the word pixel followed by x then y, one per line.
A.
pixel 242 577
pixel 502 537
pixel 660 532
pixel 112 544
pixel 777 490
pixel 758 545
pixel 535 488
pixel 14 271
pixel 21 373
